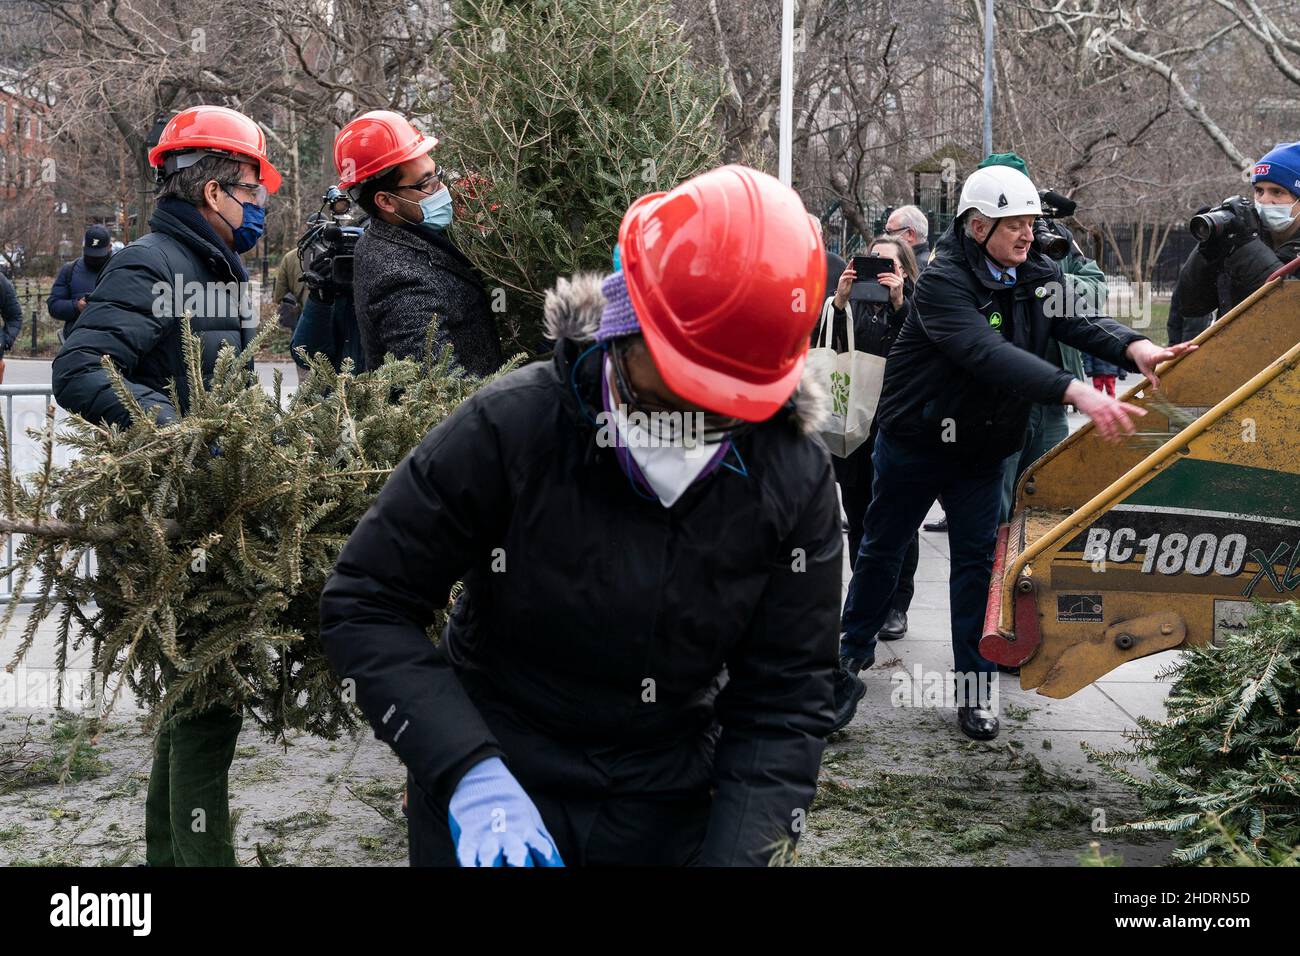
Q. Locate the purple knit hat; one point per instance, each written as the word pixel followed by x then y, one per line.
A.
pixel 618 318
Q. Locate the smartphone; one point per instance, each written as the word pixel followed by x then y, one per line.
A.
pixel 865 285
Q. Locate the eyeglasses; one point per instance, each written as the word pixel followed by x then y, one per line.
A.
pixel 713 428
pixel 259 192
pixel 429 185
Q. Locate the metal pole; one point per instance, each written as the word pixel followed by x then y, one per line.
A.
pixel 785 119
pixel 988 77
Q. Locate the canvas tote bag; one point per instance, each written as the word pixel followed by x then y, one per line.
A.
pixel 853 381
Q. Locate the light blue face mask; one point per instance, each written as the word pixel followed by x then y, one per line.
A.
pixel 435 209
pixel 1276 217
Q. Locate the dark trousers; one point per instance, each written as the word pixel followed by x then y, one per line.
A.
pixel 622 830
pixel 907 481
pixel 187 810
pixel 855 476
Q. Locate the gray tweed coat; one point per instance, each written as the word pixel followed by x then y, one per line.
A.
pixel 404 278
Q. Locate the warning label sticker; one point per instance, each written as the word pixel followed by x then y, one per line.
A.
pixel 1231 617
pixel 1079 608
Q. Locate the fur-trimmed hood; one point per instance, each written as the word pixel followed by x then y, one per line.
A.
pixel 572 311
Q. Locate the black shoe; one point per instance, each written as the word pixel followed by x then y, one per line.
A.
pixel 894 628
pixel 940 525
pixel 849 689
pixel 977 723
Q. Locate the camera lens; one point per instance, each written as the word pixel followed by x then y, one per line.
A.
pixel 1212 224
pixel 1049 242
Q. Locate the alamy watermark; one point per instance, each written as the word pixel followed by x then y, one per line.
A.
pixel 663 429
pixel 944 689
pixel 212 300
pixel 45 688
pixel 1084 300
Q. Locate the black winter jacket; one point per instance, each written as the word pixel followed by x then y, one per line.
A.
pixel 133 313
pixel 589 643
pixel 403 278
pixel 11 315
pixel 1205 286
pixel 959 386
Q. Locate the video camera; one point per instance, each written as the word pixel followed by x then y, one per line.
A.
pixel 327 248
pixel 1048 239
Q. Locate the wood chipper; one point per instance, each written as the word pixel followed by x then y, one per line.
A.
pixel 1117 551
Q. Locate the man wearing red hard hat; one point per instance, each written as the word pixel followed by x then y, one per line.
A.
pixel 638 669
pixel 408 271
pixel 214 176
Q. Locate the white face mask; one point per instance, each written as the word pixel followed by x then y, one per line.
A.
pixel 1275 217
pixel 668 467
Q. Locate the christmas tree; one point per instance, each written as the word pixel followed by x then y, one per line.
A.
pixel 213 535
pixel 1223 768
pixel 559 113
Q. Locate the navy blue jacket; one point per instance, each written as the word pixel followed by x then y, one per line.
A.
pixel 1094 366
pixel 74 281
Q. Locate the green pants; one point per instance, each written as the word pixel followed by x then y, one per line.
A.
pixel 187 812
pixel 1048 427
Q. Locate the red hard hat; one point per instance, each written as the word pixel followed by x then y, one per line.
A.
pixel 726 274
pixel 216 128
pixel 374 142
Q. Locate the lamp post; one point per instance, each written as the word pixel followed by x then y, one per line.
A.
pixel 786 109
pixel 988 77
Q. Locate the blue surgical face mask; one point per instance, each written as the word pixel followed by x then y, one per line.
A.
pixel 250 228
pixel 435 210
pixel 1276 217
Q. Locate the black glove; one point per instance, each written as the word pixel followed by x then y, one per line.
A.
pixel 288 310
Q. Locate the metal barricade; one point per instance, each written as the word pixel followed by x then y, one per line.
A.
pixel 22 448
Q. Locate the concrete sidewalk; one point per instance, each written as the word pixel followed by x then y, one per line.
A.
pixel 901 785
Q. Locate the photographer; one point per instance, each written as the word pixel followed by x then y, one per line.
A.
pixel 875 326
pixel 328 324
pixel 1242 242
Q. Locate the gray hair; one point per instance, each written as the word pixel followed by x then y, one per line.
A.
pixel 911 217
pixel 969 225
pixel 188 183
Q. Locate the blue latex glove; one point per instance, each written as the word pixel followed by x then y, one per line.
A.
pixel 494 823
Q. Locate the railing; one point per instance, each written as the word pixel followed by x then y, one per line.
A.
pixel 25 459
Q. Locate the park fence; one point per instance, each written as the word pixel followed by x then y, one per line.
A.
pixel 24 409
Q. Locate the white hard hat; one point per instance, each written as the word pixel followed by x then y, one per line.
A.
pixel 998 192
